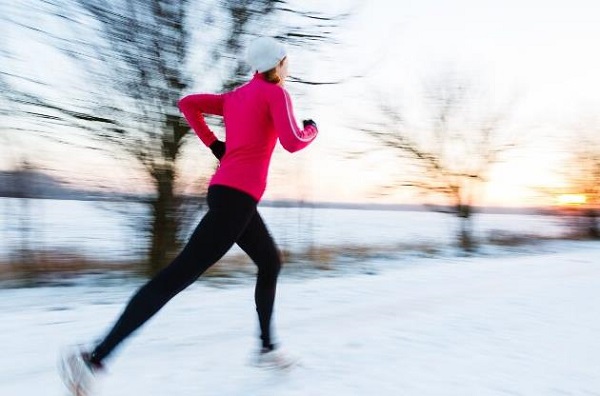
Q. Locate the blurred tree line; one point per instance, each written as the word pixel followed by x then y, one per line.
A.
pixel 135 58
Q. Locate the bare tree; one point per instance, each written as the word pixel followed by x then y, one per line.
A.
pixel 582 174
pixel 446 156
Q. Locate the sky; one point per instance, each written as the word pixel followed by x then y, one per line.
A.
pixel 538 54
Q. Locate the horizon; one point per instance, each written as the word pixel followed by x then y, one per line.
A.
pixel 57 189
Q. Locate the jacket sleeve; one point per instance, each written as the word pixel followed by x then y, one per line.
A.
pixel 195 106
pixel 292 137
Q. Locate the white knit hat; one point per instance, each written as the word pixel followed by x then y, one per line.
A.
pixel 264 53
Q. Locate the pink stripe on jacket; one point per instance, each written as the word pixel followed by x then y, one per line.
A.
pixel 256 115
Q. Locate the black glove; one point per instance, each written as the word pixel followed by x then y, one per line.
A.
pixel 309 122
pixel 218 149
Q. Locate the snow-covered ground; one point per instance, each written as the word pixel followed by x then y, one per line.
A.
pixel 106 233
pixel 520 325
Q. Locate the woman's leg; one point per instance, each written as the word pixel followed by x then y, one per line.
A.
pixel 259 245
pixel 229 213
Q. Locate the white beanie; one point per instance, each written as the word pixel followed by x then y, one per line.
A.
pixel 264 53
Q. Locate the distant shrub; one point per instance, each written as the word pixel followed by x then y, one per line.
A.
pixel 511 239
pixel 31 268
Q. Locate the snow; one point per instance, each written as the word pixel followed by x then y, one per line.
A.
pixel 514 325
pixel 106 233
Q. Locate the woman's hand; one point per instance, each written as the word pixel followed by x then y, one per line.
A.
pixel 218 149
pixel 308 122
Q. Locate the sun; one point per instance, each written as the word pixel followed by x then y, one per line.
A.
pixel 571 199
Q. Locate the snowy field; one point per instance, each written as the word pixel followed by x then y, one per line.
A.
pixel 520 325
pixel 101 230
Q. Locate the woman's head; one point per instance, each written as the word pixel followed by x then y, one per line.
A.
pixel 268 56
pixel 278 74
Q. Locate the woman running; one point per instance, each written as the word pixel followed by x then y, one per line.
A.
pixel 256 115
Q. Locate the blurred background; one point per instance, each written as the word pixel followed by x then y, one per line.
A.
pixel 446 127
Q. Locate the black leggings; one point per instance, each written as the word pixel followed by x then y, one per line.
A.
pixel 232 218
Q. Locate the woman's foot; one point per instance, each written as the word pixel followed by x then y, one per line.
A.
pixel 275 358
pixel 78 372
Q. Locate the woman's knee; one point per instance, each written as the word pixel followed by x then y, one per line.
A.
pixel 268 269
pixel 275 261
pixel 175 278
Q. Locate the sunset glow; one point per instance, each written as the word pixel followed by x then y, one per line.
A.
pixel 571 199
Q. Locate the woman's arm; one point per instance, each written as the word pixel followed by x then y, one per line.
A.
pixel 292 137
pixel 194 107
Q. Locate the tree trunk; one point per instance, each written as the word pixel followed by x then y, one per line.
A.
pixel 593 229
pixel 465 237
pixel 164 244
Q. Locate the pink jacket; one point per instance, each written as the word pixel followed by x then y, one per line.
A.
pixel 256 115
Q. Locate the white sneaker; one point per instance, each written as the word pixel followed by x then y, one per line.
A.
pixel 275 359
pixel 77 372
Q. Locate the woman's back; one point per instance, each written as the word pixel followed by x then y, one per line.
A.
pixel 250 137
